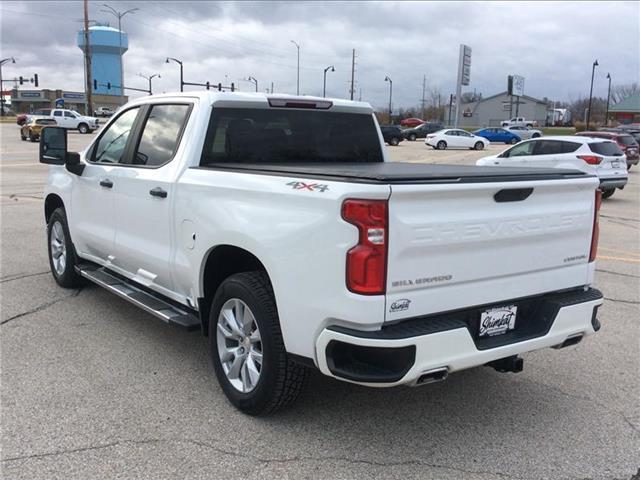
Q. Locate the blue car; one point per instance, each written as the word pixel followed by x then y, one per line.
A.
pixel 497 134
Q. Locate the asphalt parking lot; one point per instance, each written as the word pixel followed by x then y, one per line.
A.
pixel 94 388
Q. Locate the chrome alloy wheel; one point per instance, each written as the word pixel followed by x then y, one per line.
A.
pixel 239 345
pixel 58 248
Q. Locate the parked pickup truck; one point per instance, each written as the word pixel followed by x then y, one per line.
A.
pixel 519 121
pixel 68 119
pixel 277 226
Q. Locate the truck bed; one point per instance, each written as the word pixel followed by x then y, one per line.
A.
pixel 400 173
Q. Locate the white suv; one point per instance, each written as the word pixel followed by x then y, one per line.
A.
pixel 590 155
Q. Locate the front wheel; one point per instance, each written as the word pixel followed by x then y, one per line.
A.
pixel 607 192
pixel 442 145
pixel 412 137
pixel 478 146
pixel 535 135
pixel 62 257
pixel 83 128
pixel 247 349
pixel 394 141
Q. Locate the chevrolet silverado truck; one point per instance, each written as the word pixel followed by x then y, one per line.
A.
pixel 278 227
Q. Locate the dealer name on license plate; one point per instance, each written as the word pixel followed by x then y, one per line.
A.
pixel 497 321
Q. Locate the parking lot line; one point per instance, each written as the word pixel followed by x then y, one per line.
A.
pixel 615 250
pixel 620 259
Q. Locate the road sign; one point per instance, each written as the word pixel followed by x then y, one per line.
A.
pixel 466 64
pixel 515 85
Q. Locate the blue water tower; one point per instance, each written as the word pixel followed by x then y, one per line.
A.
pixel 107 45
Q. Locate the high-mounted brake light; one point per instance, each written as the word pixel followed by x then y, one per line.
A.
pixel 367 261
pixel 595 236
pixel 298 103
pixel 591 159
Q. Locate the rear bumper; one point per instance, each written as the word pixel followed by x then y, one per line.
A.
pixel 607 183
pixel 401 353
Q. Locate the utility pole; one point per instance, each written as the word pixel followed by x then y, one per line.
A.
pixel 271 87
pixel 606 115
pixel 387 79
pixel 424 88
pixel 353 72
pixel 87 61
pixel 13 60
pixel 450 105
pixel 324 84
pixel 593 70
pixel 298 77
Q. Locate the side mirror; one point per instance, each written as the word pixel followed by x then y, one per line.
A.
pixel 53 146
pixel 53 150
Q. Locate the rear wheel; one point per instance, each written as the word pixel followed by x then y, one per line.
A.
pixel 535 135
pixel 441 145
pixel 394 141
pixel 606 193
pixel 478 146
pixel 513 141
pixel 247 349
pixel 83 128
pixel 412 137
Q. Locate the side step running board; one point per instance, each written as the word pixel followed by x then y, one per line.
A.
pixel 147 301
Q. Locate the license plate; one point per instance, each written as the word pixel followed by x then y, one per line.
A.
pixel 497 321
pixel 615 164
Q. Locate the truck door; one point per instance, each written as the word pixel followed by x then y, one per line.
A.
pixel 93 194
pixel 144 236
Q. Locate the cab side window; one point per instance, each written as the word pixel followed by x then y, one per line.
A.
pixel 111 146
pixel 161 134
pixel 57 113
pixel 548 147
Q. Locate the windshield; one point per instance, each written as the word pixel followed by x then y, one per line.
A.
pixel 626 140
pixel 268 135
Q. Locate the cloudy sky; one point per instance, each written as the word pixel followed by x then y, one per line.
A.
pixel 551 44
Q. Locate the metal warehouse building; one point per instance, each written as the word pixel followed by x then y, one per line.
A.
pixel 491 111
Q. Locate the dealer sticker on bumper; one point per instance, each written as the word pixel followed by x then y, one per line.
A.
pixel 498 320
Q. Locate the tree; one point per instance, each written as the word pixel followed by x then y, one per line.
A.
pixel 620 92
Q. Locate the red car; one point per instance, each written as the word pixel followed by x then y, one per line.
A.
pixel 626 142
pixel 411 122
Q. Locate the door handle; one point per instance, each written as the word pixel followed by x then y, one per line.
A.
pixel 158 192
pixel 106 183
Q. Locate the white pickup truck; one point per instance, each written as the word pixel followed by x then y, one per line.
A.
pixel 518 121
pixel 68 119
pixel 278 227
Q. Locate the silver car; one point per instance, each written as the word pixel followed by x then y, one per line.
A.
pixel 525 133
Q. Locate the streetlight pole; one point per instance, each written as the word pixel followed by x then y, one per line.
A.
pixel 119 16
pixel 181 71
pixel 2 62
pixel 387 79
pixel 298 77
pixel 254 81
pixel 324 85
pixel 606 117
pixel 593 71
pixel 149 80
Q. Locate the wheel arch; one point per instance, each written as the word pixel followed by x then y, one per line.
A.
pixel 52 202
pixel 219 263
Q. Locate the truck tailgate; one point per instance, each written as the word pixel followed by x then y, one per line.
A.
pixel 454 246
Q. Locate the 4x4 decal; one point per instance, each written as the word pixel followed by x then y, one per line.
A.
pixel 312 187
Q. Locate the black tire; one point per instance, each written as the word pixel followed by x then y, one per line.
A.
pixel 607 192
pixel 442 145
pixel 23 138
pixel 67 278
pixel 412 137
pixel 478 146
pixel 535 135
pixel 32 138
pixel 513 141
pixel 84 128
pixel 281 380
pixel 394 141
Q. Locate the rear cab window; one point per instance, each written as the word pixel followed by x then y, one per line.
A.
pixel 269 135
pixel 627 140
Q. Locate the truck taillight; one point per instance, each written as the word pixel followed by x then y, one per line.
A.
pixel 596 226
pixel 591 159
pixel 367 261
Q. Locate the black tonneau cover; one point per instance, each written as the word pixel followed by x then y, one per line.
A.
pixel 398 172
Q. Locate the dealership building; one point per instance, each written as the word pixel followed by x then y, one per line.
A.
pixel 492 110
pixel 26 101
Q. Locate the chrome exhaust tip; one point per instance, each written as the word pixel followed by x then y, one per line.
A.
pixel 433 375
